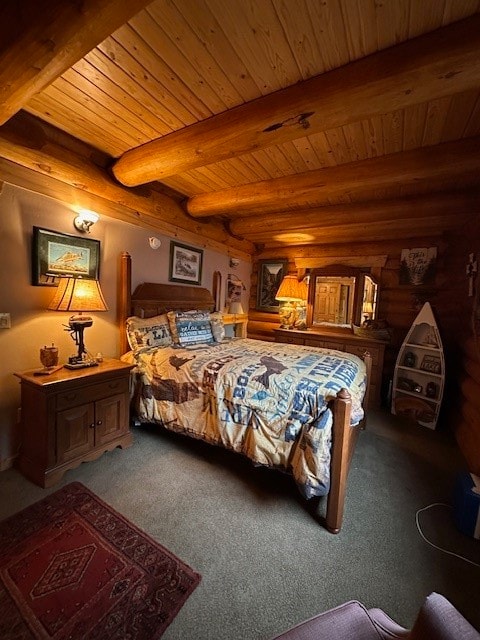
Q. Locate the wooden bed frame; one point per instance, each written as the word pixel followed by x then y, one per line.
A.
pixel 150 299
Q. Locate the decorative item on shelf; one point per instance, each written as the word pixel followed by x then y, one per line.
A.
pixel 431 364
pixel 290 292
pixel 430 339
pixel 79 295
pixel 410 359
pixel 406 384
pixel 85 220
pixel 432 390
pixel 418 388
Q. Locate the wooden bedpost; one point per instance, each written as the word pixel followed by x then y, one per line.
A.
pixel 124 302
pixel 342 448
pixel 367 358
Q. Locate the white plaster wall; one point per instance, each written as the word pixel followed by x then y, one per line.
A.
pixel 34 326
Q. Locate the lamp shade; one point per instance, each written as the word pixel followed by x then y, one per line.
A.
pixel 290 290
pixel 76 294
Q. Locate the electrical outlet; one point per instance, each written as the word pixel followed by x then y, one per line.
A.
pixel 5 321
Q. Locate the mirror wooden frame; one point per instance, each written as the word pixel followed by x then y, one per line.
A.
pixel 340 270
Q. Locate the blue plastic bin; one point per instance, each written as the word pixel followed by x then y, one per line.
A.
pixel 466 506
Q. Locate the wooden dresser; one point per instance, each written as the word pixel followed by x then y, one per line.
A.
pixel 70 417
pixel 342 341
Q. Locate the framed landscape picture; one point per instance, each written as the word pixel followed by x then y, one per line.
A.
pixel 58 254
pixel 185 263
pixel 270 276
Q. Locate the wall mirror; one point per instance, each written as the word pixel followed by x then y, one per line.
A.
pixel 341 296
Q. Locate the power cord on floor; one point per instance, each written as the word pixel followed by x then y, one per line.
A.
pixel 450 553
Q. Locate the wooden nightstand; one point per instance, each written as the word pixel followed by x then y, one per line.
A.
pixel 70 417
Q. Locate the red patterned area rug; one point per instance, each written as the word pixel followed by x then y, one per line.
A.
pixel 72 567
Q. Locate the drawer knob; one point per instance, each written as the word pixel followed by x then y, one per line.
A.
pixel 92 426
pixel 99 422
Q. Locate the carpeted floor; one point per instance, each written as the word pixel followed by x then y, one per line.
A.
pixel 265 561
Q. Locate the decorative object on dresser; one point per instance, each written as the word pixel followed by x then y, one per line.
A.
pixel 57 254
pixel 185 263
pixel 290 293
pixel 421 361
pixel 73 567
pixel 76 294
pixel 70 417
pixel 49 356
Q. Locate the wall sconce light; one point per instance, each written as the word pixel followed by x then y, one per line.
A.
pixel 84 220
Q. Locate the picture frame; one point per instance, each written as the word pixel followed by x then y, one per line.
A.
pixel 270 276
pixel 186 263
pixel 431 364
pixel 56 254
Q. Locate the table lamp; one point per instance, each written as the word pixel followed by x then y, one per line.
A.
pixel 367 311
pixel 78 295
pixel 290 291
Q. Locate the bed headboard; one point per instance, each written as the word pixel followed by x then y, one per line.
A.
pixel 151 298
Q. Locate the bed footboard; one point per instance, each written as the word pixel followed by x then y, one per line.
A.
pixel 344 438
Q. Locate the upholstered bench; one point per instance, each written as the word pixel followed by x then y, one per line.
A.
pixel 437 620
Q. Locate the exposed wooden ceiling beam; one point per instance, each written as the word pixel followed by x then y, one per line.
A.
pixel 30 147
pixel 262 228
pixel 373 231
pixel 431 66
pixel 45 38
pixel 438 164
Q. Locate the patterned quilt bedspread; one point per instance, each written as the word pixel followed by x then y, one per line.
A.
pixel 265 400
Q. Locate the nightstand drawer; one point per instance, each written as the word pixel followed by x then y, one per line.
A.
pixel 90 393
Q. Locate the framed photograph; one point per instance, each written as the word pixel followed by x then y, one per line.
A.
pixel 185 263
pixel 58 254
pixel 431 364
pixel 270 276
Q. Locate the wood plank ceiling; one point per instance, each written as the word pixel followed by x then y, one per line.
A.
pixel 341 143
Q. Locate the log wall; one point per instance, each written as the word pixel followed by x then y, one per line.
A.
pixel 461 328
